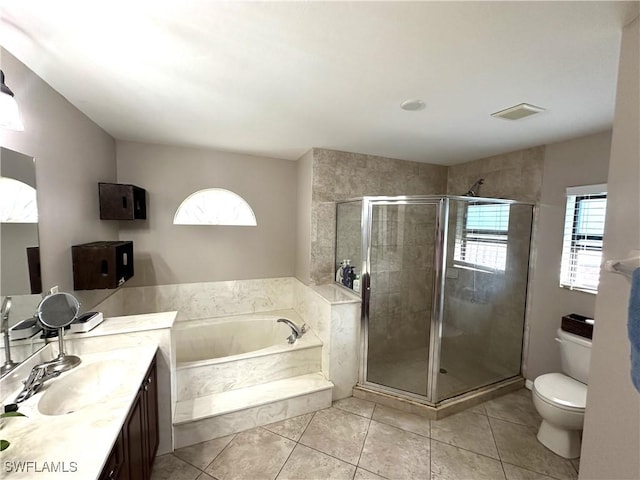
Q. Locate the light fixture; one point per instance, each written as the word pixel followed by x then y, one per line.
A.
pixel 9 113
pixel 412 105
pixel 518 111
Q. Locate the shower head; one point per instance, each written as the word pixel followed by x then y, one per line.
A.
pixel 475 188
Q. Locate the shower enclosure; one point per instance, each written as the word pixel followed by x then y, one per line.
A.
pixel 443 282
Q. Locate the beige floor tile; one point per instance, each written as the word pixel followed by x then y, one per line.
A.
pixel 204 476
pixel 519 446
pixel 291 428
pixel 355 405
pixel 405 421
pixel 453 463
pixel 255 454
pixel 478 409
pixel 336 433
pixel 395 453
pixel 362 474
pixel 170 467
pixel 467 430
pixel 576 464
pixel 202 454
pixel 518 473
pixel 305 462
pixel 514 407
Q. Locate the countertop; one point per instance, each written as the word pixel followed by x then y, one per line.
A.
pixel 74 445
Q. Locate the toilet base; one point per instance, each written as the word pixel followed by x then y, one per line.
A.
pixel 566 443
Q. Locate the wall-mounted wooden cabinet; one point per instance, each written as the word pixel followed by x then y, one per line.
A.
pixel 122 202
pixel 102 264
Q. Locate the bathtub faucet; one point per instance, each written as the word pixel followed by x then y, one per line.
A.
pixel 296 332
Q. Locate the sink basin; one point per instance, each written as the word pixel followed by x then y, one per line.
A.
pixel 83 387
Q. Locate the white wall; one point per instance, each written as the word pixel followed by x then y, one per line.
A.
pixel 72 155
pixel 611 440
pixel 166 254
pixel 580 161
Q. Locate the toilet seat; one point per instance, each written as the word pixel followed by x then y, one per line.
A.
pixel 561 391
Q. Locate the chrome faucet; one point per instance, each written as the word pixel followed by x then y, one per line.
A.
pixel 296 332
pixel 36 379
pixel 8 364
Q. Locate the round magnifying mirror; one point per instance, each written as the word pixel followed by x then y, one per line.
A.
pixel 58 310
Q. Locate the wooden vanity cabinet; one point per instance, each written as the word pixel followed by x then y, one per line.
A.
pixel 135 449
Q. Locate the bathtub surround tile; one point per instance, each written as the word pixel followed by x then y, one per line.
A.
pixel 292 428
pixel 364 408
pixel 305 462
pixel 517 473
pixel 206 379
pixel 395 453
pixel 404 420
pixel 519 446
pixel 449 462
pixel 255 454
pixel 202 454
pixel 336 433
pixel 170 467
pixel 205 418
pixel 516 407
pixel 467 430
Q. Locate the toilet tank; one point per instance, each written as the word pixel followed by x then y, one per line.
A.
pixel 575 355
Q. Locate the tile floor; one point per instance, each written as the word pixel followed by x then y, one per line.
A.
pixel 360 440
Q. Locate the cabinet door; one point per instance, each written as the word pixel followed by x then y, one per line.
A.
pixel 151 410
pixel 115 468
pixel 134 432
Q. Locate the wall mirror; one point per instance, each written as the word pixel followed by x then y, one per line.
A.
pixel 19 245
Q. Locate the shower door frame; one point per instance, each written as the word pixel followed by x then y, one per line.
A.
pixel 441 203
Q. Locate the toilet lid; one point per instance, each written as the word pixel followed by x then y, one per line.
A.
pixel 562 390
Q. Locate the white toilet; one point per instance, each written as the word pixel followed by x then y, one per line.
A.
pixel 561 398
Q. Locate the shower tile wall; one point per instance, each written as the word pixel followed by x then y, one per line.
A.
pixel 514 175
pixel 343 175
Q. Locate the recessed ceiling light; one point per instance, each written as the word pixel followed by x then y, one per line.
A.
pixel 412 105
pixel 518 111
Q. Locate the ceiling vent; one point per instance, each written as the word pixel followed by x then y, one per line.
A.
pixel 518 111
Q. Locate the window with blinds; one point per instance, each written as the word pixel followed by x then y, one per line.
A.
pixel 481 239
pixel 582 241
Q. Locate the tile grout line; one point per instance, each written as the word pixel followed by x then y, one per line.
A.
pixel 219 453
pixel 366 435
pixel 297 442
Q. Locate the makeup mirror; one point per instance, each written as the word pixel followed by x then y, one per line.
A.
pixel 58 311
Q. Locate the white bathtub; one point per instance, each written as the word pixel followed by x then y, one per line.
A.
pixel 220 354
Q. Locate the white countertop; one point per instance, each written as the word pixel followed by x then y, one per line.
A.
pixel 76 444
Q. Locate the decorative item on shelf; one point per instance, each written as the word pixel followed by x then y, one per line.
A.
pixel 102 264
pixel 122 202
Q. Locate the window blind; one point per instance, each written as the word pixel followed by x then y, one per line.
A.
pixel 583 237
pixel 482 242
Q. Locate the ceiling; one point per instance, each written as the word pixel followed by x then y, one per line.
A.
pixel 277 78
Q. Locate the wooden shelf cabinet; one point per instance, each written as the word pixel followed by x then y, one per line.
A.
pixel 102 264
pixel 122 202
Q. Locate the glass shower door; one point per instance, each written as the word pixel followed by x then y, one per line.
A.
pixel 401 253
pixel 484 294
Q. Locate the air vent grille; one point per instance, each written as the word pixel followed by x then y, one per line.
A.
pixel 518 111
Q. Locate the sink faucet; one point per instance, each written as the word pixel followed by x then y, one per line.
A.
pixel 296 332
pixel 36 379
pixel 8 364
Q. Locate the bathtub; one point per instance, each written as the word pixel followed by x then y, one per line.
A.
pixel 227 353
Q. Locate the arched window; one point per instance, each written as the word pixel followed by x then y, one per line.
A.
pixel 215 206
pixel 17 202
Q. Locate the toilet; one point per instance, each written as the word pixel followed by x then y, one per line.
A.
pixel 561 398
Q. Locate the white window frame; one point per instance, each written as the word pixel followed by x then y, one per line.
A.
pixel 582 251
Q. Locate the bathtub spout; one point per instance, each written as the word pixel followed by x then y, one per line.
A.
pixel 296 332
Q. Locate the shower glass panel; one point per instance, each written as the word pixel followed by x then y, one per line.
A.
pixel 485 290
pixel 402 252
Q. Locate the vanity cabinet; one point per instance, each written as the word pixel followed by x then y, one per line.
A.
pixel 135 449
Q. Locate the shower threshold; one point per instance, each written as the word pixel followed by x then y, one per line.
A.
pixel 446 407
